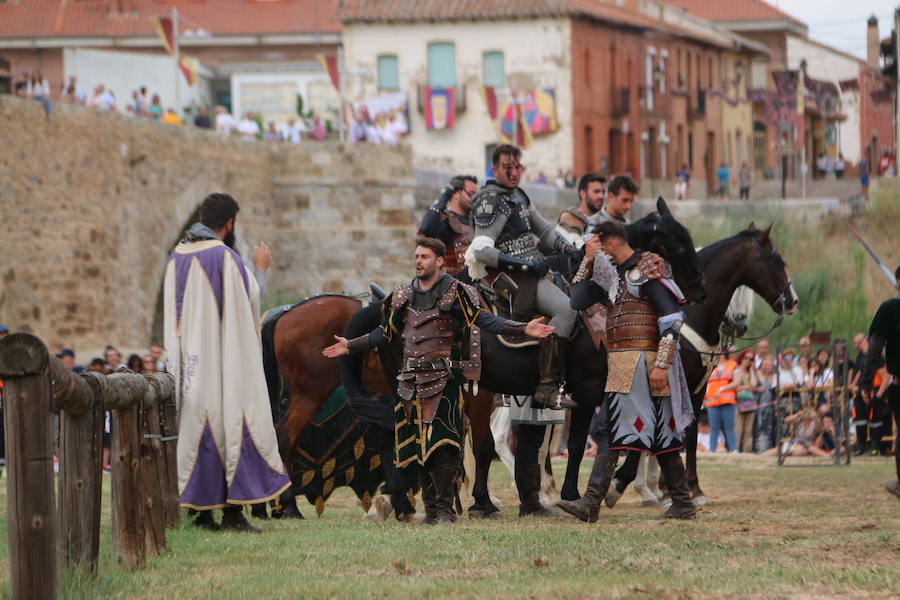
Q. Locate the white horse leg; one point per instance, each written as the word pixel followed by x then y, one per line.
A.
pixel 549 494
pixel 500 425
pixel 653 478
pixel 640 481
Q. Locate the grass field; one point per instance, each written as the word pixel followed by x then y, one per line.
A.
pixel 770 533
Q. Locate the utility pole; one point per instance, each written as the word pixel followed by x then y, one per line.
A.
pixel 175 55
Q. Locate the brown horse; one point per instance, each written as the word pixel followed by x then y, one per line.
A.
pixel 293 338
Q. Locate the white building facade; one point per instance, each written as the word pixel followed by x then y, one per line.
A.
pixel 524 54
pixel 828 64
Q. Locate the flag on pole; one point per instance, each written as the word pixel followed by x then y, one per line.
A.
pixel 189 68
pixel 165 29
pixel 329 63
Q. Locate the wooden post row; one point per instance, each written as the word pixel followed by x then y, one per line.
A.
pixel 139 512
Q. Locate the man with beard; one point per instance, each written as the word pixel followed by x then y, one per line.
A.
pixel 884 333
pixel 573 222
pixel 647 405
pixel 433 315
pixel 448 220
pixel 227 449
pixel 507 230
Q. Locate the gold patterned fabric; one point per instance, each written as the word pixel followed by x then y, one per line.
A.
pixel 622 366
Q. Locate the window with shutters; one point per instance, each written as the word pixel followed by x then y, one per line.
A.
pixel 492 69
pixel 388 72
pixel 441 65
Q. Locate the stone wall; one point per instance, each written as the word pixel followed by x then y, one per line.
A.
pixel 92 204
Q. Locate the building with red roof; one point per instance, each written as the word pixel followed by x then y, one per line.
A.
pixel 251 43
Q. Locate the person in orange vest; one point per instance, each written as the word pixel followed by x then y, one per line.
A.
pixel 721 403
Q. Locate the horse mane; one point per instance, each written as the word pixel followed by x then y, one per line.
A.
pixel 705 253
pixel 641 229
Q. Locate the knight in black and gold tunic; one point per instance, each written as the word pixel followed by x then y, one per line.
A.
pixel 438 319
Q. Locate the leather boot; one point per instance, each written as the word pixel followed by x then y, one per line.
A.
pixel 233 519
pixel 429 499
pixel 672 468
pixel 528 482
pixel 444 477
pixel 550 366
pixel 587 508
pixel 203 520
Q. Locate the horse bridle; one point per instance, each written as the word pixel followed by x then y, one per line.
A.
pixel 781 307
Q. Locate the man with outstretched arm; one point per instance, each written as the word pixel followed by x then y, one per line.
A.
pixel 438 320
pixel 647 405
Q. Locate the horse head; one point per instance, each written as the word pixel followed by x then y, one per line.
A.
pixel 659 232
pixel 767 272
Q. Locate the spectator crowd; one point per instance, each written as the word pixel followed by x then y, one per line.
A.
pixel 146 105
pixel 747 389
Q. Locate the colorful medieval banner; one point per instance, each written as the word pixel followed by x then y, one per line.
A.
pixel 329 63
pixel 539 108
pixel 166 31
pixel 439 108
pixel 189 68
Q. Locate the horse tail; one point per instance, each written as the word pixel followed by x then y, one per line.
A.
pixel 368 407
pixel 274 383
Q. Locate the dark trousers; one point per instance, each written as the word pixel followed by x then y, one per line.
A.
pixel 745 193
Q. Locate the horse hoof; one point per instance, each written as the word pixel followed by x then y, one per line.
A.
pixel 700 500
pixel 494 515
pixel 414 518
pixel 258 511
pixel 612 496
pixel 480 513
pixel 648 502
pixel 287 512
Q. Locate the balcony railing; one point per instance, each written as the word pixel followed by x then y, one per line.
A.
pixel 653 102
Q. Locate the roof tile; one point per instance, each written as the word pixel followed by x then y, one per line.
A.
pixel 39 18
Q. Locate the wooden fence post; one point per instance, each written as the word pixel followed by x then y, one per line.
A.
pixel 153 475
pixel 81 477
pixel 169 430
pixel 128 513
pixel 31 501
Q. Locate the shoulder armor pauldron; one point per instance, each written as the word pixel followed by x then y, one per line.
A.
pixel 649 266
pixel 401 295
pixel 473 295
pixel 445 302
pixel 486 208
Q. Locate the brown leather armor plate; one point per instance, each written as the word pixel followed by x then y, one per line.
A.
pixel 631 323
pixel 427 334
pixel 460 239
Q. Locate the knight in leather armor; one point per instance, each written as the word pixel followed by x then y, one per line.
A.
pixel 438 320
pixel 448 220
pixel 647 405
pixel 512 237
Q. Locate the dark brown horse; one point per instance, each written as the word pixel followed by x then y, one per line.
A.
pixel 293 338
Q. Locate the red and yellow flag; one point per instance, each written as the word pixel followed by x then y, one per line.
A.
pixel 329 63
pixel 165 29
pixel 189 68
